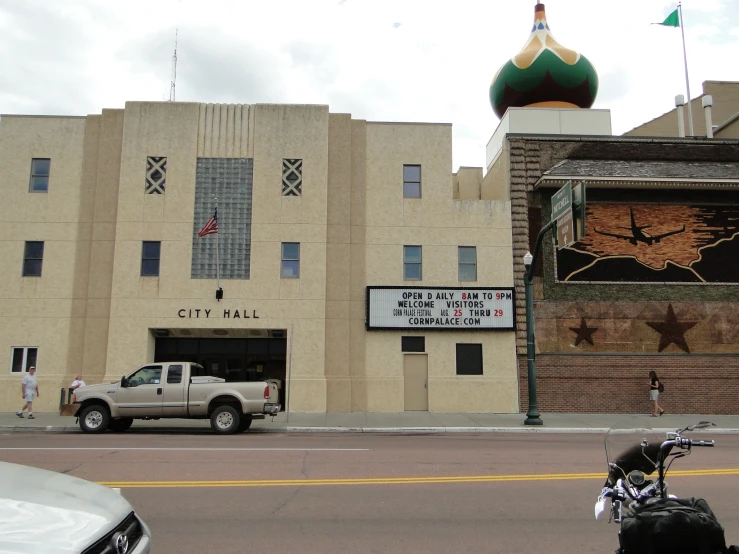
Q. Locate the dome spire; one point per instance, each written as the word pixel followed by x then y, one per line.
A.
pixel 544 74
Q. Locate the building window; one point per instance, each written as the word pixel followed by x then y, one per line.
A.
pixel 467 256
pixel 290 260
pixel 411 181
pixel 412 263
pixel 413 344
pixel 33 259
pixel 23 358
pixel 469 359
pixel 150 255
pixel 292 177
pixel 40 168
pixel 156 174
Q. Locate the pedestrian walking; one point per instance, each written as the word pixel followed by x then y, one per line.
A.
pixel 654 393
pixel 29 391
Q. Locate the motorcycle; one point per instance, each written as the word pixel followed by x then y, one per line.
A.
pixel 652 520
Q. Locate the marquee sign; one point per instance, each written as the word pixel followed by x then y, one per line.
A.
pixel 440 308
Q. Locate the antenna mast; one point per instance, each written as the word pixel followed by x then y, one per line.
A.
pixel 174 69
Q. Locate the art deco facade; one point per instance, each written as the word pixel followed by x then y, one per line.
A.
pixel 104 270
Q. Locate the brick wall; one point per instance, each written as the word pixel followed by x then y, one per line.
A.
pixel 694 384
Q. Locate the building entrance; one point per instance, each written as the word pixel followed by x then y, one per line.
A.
pixel 232 359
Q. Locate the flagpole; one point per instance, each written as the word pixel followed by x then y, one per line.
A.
pixel 218 263
pixel 687 81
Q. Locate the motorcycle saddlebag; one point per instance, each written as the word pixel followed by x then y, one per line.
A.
pixel 671 525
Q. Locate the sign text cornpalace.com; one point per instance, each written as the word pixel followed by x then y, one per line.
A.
pixel 442 308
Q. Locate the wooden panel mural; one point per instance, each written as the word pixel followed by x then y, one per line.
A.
pixel 654 243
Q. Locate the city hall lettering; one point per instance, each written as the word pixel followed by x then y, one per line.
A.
pixel 202 313
pixel 439 308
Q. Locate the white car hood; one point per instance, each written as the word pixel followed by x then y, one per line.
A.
pixel 43 512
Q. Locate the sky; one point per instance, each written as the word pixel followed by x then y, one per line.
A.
pixel 380 60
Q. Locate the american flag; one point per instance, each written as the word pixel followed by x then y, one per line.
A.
pixel 210 227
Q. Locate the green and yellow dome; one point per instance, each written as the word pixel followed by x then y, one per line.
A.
pixel 544 74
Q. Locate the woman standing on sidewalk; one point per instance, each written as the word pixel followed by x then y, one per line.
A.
pixel 654 393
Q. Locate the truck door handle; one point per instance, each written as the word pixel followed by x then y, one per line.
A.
pixel 426 384
pixel 159 390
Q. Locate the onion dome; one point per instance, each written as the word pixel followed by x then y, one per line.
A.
pixel 544 74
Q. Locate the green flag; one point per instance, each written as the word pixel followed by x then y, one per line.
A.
pixel 673 20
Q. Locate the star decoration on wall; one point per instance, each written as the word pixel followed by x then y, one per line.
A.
pixel 584 333
pixel 672 331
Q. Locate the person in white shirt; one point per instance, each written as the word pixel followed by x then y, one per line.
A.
pixel 29 391
pixel 77 383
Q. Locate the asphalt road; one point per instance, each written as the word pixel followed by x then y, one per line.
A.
pixel 357 493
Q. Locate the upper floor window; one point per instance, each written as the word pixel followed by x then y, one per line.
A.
pixel 292 177
pixel 24 357
pixel 411 181
pixel 33 259
pixel 156 174
pixel 40 168
pixel 412 263
pixel 290 260
pixel 467 256
pixel 150 255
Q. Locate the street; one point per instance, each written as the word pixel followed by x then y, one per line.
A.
pixel 338 493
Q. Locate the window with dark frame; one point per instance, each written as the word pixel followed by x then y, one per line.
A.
pixel 413 344
pixel 411 181
pixel 150 256
pixel 467 257
pixel 290 260
pixel 412 270
pixel 33 258
pixel 24 357
pixel 469 359
pixel 40 169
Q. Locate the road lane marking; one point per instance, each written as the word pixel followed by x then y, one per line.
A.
pixel 175 449
pixel 394 480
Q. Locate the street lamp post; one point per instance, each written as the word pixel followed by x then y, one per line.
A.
pixel 532 415
pixel 529 261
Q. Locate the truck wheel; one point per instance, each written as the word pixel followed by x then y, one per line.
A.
pixel 245 423
pixel 121 424
pixel 225 420
pixel 94 419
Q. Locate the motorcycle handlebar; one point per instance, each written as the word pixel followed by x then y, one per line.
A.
pixel 702 443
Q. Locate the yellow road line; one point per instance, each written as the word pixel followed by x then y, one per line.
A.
pixel 395 480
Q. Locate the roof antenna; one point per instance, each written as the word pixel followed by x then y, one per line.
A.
pixel 174 69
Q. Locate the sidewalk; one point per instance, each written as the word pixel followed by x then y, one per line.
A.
pixel 396 422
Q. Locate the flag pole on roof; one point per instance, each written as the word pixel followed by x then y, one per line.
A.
pixel 675 19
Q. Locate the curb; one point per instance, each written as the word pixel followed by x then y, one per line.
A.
pixel 369 430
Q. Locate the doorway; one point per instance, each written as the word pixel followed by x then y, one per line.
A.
pixel 416 378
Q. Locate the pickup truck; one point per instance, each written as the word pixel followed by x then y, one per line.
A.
pixel 173 390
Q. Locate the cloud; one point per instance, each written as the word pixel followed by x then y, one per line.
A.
pixel 80 56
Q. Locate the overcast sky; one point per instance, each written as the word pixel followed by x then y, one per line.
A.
pixel 380 60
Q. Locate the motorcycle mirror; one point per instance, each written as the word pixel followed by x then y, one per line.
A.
pixel 699 425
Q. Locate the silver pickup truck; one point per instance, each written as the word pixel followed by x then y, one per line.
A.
pixel 174 390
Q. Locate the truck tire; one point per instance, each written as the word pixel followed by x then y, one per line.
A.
pixel 94 418
pixel 245 423
pixel 225 420
pixel 121 424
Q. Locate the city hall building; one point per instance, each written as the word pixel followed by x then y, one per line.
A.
pixel 341 257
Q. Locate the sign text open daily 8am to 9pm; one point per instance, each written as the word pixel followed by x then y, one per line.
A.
pixel 440 308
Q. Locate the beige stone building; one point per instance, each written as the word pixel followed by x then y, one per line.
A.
pixel 104 270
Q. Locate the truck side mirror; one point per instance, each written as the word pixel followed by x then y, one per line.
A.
pixel 124 381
